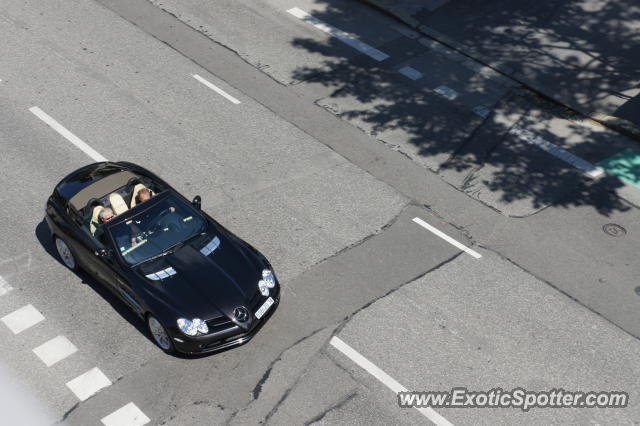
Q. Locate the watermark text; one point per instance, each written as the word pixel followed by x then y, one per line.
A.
pixel 515 398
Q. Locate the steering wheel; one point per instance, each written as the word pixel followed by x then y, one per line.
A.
pixel 156 220
pixel 174 223
pixel 171 221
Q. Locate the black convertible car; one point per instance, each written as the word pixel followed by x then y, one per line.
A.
pixel 198 287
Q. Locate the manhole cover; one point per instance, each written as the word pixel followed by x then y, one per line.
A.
pixel 637 291
pixel 614 230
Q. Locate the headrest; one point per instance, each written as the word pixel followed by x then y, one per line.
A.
pixel 134 194
pixel 117 204
pixel 94 219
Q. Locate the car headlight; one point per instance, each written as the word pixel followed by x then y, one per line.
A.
pixel 268 278
pixel 191 328
pixel 264 290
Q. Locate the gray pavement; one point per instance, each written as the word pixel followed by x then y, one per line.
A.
pixel 255 31
pixel 322 165
pixel 503 329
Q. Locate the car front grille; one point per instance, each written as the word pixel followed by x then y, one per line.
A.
pixel 223 323
pixel 219 324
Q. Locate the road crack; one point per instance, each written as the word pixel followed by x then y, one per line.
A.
pixel 334 407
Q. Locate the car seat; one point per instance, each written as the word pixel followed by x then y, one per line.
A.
pixel 95 220
pixel 134 193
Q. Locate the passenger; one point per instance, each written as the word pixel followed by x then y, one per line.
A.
pixel 143 195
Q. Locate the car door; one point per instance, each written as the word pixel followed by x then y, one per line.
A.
pixel 128 296
pixel 100 266
pixel 80 240
pixel 110 271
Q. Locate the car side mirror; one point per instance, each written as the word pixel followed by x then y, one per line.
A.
pixel 197 202
pixel 104 253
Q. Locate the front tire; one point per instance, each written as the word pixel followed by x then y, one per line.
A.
pixel 160 335
pixel 65 253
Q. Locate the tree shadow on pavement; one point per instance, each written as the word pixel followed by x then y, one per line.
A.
pixel 447 137
pixel 582 52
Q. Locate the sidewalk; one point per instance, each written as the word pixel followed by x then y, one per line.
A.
pixel 581 53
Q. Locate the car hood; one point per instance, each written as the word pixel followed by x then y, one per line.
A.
pixel 207 286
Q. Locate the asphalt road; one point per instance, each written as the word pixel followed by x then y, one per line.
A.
pixel 332 136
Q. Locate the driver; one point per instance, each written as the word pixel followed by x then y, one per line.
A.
pixel 103 217
pixel 106 215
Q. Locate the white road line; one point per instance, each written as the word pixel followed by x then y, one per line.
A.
pixel 216 89
pixel 577 162
pixel 482 111
pixel 384 378
pixel 55 350
pixel 347 38
pixel 67 134
pixel 446 237
pixel 89 383
pixel 447 92
pixel 129 415
pixel 4 287
pixel 411 73
pixel 22 319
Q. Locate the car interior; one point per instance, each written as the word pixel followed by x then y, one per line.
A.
pixel 116 201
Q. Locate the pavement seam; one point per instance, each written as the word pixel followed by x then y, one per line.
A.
pixel 348 317
pixel 361 241
pixel 564 293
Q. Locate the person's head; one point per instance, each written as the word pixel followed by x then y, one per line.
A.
pixel 143 195
pixel 106 215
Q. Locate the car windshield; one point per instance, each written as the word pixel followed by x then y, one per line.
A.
pixel 156 230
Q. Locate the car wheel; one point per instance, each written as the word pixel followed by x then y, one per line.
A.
pixel 160 335
pixel 65 253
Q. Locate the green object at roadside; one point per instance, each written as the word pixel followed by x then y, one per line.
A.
pixel 625 165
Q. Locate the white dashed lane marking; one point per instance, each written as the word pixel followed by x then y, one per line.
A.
pixel 89 383
pixel 577 162
pixel 384 378
pixel 216 89
pixel 411 73
pixel 4 287
pixel 55 350
pixel 129 415
pixel 447 238
pixel 447 92
pixel 22 319
pixel 67 134
pixel 482 111
pixel 347 38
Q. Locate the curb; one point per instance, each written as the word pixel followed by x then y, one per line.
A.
pixel 619 125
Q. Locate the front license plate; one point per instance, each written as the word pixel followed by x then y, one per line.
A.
pixel 264 308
